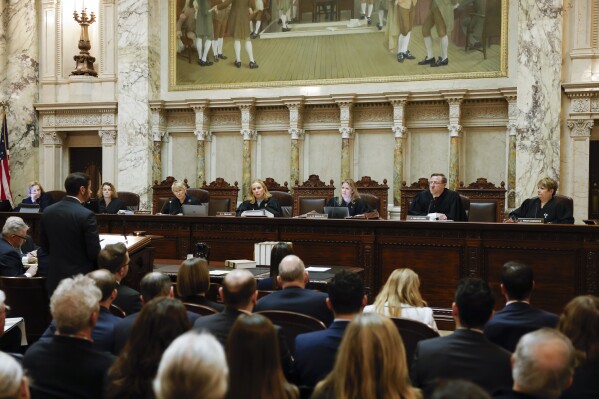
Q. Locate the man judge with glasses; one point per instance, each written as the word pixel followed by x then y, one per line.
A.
pixel 14 234
pixel 444 203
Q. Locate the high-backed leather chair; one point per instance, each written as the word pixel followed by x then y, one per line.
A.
pixel 130 199
pixel 223 196
pixel 200 194
pixel 375 194
pixel 56 195
pixel 567 201
pixel 281 193
pixel 412 332
pixel 161 192
pixel 293 324
pixel 481 194
pixel 409 192
pixel 312 195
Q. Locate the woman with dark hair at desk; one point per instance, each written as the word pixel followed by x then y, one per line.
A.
pixel 350 198
pixel 174 206
pixel 259 198
pixel 36 195
pixel 193 282
pixel 108 201
pixel 544 205
pixel 278 252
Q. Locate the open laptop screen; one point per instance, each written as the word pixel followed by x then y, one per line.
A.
pixel 195 210
pixel 336 212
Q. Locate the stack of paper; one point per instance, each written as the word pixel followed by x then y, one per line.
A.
pixel 262 251
pixel 240 264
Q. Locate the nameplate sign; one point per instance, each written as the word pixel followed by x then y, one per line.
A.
pixel 417 217
pixel 317 216
pixel 531 220
pixel 142 212
pixel 225 214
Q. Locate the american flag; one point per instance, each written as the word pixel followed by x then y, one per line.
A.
pixel 5 193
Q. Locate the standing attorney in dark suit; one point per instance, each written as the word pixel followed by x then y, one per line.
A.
pixel 466 353
pixel 517 317
pixel 13 237
pixel 69 233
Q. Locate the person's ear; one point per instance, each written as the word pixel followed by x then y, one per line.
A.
pixel 279 281
pixel 221 294
pixel 329 305
pixel 171 292
pixel 93 319
pixel 364 301
pixel 114 294
pixel 24 390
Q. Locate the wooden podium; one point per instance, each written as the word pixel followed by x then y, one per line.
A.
pixel 141 256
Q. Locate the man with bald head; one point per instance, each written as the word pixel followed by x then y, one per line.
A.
pixel 542 366
pixel 293 296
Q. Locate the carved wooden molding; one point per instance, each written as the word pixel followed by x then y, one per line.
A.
pixel 272 185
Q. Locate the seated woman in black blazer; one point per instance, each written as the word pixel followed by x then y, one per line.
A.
pixel 350 198
pixel 108 201
pixel 260 198
pixel 36 196
pixel 174 206
pixel 544 205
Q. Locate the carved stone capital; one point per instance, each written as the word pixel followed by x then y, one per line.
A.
pixel 512 128
pixel 249 134
pixel 454 130
pixel 52 138
pixel 296 115
pixel 580 105
pixel 399 131
pixel 202 117
pixel 580 127
pixel 108 137
pixel 296 134
pixel 157 133
pixel 203 135
pixel 346 132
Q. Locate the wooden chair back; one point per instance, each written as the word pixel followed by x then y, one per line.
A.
pixel 199 309
pixel 200 194
pixel 130 199
pixel 409 192
pixel 312 194
pixel 482 191
pixel 369 188
pixel 412 332
pixel 212 293
pixel 56 195
pixel 272 185
pixel 221 191
pixel 28 298
pixel 117 311
pixel 293 324
pixel 161 192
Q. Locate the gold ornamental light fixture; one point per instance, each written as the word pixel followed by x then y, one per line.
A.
pixel 84 62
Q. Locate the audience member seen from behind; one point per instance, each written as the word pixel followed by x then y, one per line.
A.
pixel 400 297
pixel 580 323
pixel 278 252
pixel 542 366
pixel 14 233
pixel 517 317
pixel 458 389
pixel 193 282
pixel 350 198
pixel 371 363
pixel 174 206
pixel 108 201
pixel 192 367
pixel 544 205
pixel 160 321
pixel 68 366
pixel 36 195
pixel 13 383
pixel 115 259
pixel 259 198
pixel 255 369
pixel 11 340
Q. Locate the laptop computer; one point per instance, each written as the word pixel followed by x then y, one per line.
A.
pixel 336 212
pixel 29 208
pixel 195 210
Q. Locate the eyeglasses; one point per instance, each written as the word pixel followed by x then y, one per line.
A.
pixel 21 237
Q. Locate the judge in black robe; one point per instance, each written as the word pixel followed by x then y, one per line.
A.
pixel 259 198
pixel 544 205
pixel 438 199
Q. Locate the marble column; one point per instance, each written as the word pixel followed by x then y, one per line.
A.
pixel 400 133
pixel 248 114
pixel 19 74
pixel 296 131
pixel 580 136
pixel 539 75
pixel 108 155
pixel 158 131
pixel 347 131
pixel 51 175
pixel 455 130
pixel 203 134
pixel 138 55
pixel 512 115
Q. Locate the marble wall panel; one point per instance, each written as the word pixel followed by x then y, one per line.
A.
pixel 226 157
pixel 484 155
pixel 273 156
pixel 322 156
pixel 373 156
pixel 428 153
pixel 184 157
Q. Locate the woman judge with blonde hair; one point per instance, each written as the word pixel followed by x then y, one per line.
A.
pixel 400 297
pixel 259 198
pixel 371 363
pixel 350 198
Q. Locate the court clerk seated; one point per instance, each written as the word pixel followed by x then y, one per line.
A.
pixel 438 199
pixel 260 198
pixel 174 206
pixel 36 195
pixel 350 198
pixel 544 205
pixel 108 201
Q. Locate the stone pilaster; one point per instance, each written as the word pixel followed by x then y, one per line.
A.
pixel 52 143
pixel 347 132
pixel 108 154
pixel 158 132
pixel 296 131
pixel 203 134
pixel 455 130
pixel 512 115
pixel 580 135
pixel 400 132
pixel 248 131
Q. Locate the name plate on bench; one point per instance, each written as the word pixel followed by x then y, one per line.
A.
pixel 417 217
pixel 531 220
pixel 316 216
pixel 226 214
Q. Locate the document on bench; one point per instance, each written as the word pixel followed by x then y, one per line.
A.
pixel 317 269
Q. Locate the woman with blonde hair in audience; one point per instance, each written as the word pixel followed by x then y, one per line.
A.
pixel 400 297
pixel 580 323
pixel 193 282
pixel 254 361
pixel 13 383
pixel 160 321
pixel 371 363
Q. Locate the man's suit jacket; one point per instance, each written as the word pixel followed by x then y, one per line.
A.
pixel 67 367
pixel 315 353
pixel 296 299
pixel 127 299
pixel 122 329
pixel 518 318
pixel 69 235
pixel 464 354
pixel 10 260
